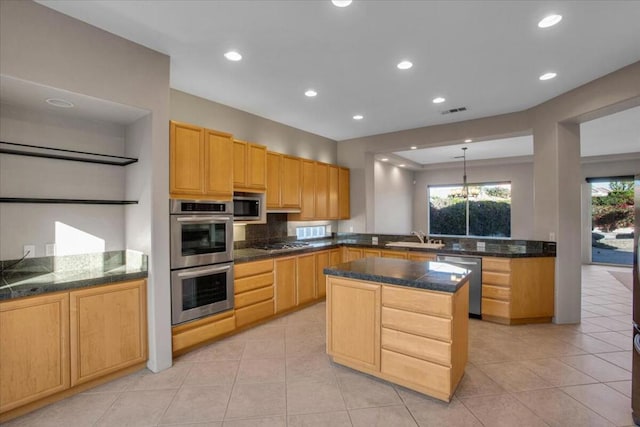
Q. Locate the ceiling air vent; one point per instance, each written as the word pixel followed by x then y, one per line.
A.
pixel 455 110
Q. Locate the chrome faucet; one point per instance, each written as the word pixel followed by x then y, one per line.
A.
pixel 420 235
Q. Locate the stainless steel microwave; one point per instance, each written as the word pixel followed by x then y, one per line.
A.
pixel 247 208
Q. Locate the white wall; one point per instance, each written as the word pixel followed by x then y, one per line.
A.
pixel 520 175
pixel 42 46
pixel 22 176
pixel 393 199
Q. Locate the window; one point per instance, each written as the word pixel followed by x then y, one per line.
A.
pixel 312 232
pixel 485 212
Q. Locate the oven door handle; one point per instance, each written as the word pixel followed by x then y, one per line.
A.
pixel 203 219
pixel 202 271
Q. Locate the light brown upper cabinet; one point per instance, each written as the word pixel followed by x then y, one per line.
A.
pixel 200 163
pixel 344 198
pixel 333 193
pixel 249 167
pixel 322 190
pixel 325 192
pixel 283 181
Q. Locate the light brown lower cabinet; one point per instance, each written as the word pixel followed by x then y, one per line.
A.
pixel 306 278
pixel 51 346
pixel 415 338
pixel 254 291
pixel 518 290
pixel 325 259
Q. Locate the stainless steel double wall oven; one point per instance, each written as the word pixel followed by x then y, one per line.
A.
pixel 201 258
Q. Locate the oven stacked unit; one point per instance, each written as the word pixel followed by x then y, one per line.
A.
pixel 201 258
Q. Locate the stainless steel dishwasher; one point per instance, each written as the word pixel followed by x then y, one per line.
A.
pixel 475 280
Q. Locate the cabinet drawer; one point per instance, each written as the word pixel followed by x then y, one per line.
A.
pixel 417 256
pixel 492 278
pixel 253 313
pixel 427 302
pixel 252 282
pixel 252 268
pixel 492 307
pixel 247 298
pixel 416 323
pixel 496 292
pixel 202 333
pixel 426 374
pixel 416 346
pixel 394 254
pixel 496 264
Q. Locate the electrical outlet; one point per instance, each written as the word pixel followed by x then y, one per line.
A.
pixel 480 246
pixel 29 251
pixel 50 249
pixel 374 240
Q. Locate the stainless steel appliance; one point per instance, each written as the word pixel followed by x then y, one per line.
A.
pixel 201 258
pixel 201 291
pixel 247 208
pixel 635 367
pixel 475 280
pixel 201 232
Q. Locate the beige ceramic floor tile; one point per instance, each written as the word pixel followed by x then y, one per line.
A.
pixel 264 349
pixel 362 391
pixel 325 419
pixel 623 387
pixel 137 408
pixel 79 410
pixel 502 410
pixel 261 371
pixel 623 359
pixel 558 373
pixel 559 409
pixel 477 383
pixel 171 378
pixel 597 368
pixel 314 396
pixel 617 339
pixel 223 350
pixel 430 412
pixel 396 416
pixel 609 403
pixel 257 422
pixel 197 405
pixel 514 376
pixel 257 400
pixel 309 367
pixel 212 373
pixel 590 344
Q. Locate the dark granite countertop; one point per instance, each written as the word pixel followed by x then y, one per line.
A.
pixel 35 276
pixel 515 249
pixel 433 276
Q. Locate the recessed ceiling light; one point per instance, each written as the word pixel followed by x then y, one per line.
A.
pixel 358 117
pixel 341 3
pixel 311 93
pixel 232 55
pixel 384 159
pixel 59 102
pixel 405 65
pixel 413 147
pixel 438 100
pixel 402 165
pixel 547 76
pixel 549 21
pixel 468 140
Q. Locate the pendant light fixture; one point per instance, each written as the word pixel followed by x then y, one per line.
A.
pixel 465 189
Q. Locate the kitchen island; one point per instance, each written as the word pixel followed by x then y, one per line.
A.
pixel 399 320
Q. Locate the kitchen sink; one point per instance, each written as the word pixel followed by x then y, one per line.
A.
pixel 416 245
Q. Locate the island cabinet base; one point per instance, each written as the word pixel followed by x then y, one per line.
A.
pixel 412 337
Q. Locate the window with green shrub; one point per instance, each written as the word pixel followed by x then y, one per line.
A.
pixel 485 212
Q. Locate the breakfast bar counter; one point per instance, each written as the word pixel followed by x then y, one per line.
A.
pixel 402 321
